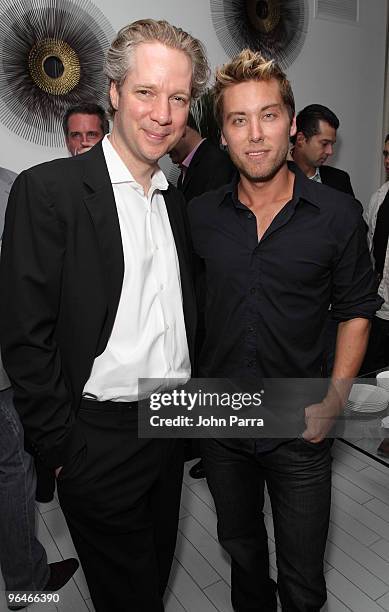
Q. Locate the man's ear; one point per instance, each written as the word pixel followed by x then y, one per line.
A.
pixel 114 94
pixel 293 128
pixel 300 139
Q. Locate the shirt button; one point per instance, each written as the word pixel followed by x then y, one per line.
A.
pixel 250 364
pixel 251 328
pixel 161 287
pixel 252 290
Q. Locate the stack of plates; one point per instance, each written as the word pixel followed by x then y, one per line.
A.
pixel 367 399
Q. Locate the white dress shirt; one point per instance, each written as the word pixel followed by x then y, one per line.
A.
pixel 370 215
pixel 148 339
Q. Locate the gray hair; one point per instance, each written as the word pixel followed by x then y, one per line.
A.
pixel 148 31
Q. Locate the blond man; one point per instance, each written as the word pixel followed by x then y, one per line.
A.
pixel 278 249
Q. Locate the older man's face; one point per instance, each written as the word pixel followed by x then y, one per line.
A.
pixel 151 105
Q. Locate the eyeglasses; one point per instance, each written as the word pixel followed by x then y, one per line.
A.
pixel 385 154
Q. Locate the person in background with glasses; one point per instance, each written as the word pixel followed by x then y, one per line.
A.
pixel 84 125
pixel 377 218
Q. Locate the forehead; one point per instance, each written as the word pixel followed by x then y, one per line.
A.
pixel 83 122
pixel 326 131
pixel 156 63
pixel 251 96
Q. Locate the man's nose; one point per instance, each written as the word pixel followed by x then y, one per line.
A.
pixel 161 110
pixel 329 149
pixel 255 130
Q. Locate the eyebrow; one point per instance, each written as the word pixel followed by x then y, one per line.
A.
pixel 264 108
pixel 185 92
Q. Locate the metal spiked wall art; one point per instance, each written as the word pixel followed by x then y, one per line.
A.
pixel 276 28
pixel 51 56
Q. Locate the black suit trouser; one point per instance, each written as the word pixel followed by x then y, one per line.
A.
pixel 120 497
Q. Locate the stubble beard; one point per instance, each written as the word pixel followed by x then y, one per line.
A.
pixel 265 175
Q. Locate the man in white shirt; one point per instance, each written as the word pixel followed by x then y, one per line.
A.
pixel 96 250
pixel 377 218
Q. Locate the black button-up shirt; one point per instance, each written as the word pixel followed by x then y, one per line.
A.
pixel 266 302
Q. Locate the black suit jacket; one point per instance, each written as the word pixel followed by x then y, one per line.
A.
pixel 61 276
pixel 338 179
pixel 209 169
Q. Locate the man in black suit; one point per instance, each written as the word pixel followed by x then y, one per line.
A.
pixel 204 166
pixel 314 144
pixel 97 293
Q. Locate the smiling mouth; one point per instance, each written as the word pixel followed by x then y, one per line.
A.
pixel 254 154
pixel 155 136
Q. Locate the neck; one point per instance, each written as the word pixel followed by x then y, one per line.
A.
pixel 303 165
pixel 141 171
pixel 261 194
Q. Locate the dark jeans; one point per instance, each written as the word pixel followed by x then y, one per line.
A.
pixel 23 559
pixel 298 478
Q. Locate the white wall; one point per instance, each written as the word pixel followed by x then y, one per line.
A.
pixel 341 66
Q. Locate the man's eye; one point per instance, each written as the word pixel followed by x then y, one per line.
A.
pixel 269 116
pixel 179 99
pixel 238 121
pixel 143 92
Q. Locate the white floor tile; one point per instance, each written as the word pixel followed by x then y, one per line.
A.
pixel 171 602
pixel 384 602
pixel 349 488
pixel 194 563
pixel 349 594
pixel 362 514
pixel 360 553
pixel 373 587
pixel 200 488
pixel 206 546
pixel 381 548
pixel 188 593
pixel 220 595
pixel 379 508
pixel 364 480
pixel 201 511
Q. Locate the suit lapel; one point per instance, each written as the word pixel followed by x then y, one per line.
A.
pixel 100 202
pixel 183 246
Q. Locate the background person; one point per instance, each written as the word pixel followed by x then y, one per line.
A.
pixel 314 143
pixel 84 125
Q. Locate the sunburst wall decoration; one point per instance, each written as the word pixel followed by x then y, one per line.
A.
pixel 276 28
pixel 51 56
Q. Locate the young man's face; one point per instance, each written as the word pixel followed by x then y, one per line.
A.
pixel 256 128
pixel 84 131
pixel 152 104
pixel 317 149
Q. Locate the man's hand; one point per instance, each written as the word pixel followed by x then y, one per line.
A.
pixel 319 419
pixel 351 345
pixel 57 471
